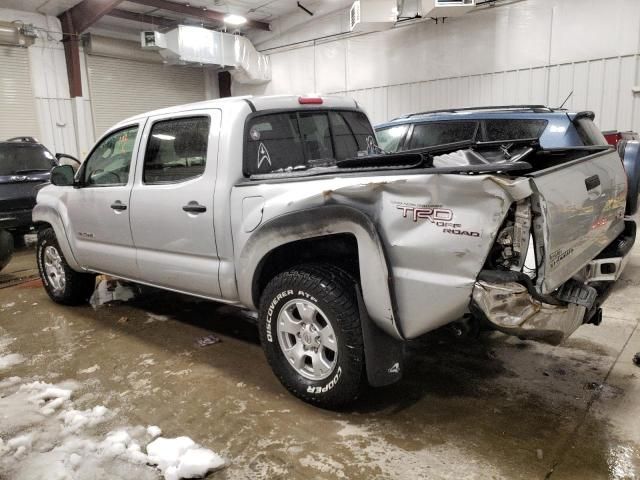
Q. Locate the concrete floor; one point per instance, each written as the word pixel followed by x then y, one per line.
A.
pixel 496 407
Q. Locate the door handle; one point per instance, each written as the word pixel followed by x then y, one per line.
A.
pixel 194 207
pixel 592 182
pixel 118 205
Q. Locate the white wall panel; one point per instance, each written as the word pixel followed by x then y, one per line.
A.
pixel 533 51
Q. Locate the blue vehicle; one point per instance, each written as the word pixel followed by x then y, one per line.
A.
pixel 555 131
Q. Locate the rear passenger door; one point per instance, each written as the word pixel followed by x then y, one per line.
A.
pixel 172 203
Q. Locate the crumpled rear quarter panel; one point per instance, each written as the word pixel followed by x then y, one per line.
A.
pixel 436 230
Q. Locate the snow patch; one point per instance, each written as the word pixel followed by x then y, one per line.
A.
pixel 181 457
pixel 92 369
pixel 153 431
pixel 153 317
pixel 10 360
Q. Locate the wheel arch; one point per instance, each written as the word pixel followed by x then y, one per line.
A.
pixel 329 234
pixel 45 217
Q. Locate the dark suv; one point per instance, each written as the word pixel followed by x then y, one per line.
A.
pixel 554 128
pixel 25 166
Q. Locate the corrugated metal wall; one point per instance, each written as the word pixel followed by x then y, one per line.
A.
pixel 533 51
pixel 602 85
pixel 123 88
pixel 17 106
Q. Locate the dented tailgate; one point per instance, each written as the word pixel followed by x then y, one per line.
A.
pixel 581 204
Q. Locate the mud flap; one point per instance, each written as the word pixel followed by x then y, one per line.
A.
pixel 384 355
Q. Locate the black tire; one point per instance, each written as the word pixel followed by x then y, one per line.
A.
pixel 332 291
pixel 6 248
pixel 78 286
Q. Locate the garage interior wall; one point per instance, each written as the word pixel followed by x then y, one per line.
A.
pixel 531 51
pixel 123 87
pixel 54 110
pixel 16 96
pixel 66 125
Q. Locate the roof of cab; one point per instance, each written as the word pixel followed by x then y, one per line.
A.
pixel 255 102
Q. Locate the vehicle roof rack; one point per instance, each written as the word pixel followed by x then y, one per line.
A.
pixel 23 139
pixel 470 109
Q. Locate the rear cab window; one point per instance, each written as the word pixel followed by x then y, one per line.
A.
pixel 297 140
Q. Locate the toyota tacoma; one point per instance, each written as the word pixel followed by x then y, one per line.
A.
pixel 285 205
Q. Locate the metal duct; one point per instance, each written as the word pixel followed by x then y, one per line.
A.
pixel 189 44
pixel 10 35
pixel 117 48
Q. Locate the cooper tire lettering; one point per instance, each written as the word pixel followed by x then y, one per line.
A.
pixel 271 309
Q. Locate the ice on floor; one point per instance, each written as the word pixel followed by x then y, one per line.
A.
pixel 43 437
pixel 109 291
pixel 10 360
pixel 181 457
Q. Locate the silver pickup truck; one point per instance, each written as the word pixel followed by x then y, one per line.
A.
pixel 286 206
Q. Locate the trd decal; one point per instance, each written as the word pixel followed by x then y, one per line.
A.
pixel 429 214
pixel 439 216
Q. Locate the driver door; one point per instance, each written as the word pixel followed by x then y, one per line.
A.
pixel 99 208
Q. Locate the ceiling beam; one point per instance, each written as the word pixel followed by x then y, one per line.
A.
pixel 143 18
pixel 196 12
pixel 88 12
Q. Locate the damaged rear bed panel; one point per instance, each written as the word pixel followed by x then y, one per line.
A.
pixel 436 231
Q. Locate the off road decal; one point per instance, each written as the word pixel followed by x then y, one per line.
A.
pixel 438 216
pixel 272 307
pixel 558 256
pixel 328 386
pixel 263 155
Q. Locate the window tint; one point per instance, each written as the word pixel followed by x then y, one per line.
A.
pixel 389 138
pixel 510 129
pixel 297 140
pixel 441 133
pixel 316 136
pixel 16 158
pixel 110 161
pixel 176 150
pixel 589 133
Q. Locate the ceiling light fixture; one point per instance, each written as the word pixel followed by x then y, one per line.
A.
pixel 235 19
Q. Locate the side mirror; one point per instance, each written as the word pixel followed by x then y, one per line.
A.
pixel 62 176
pixel 64 159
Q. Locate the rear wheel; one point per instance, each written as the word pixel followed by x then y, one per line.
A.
pixel 311 334
pixel 63 284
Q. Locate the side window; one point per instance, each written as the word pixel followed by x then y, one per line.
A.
pixel 432 134
pixel 390 138
pixel 513 129
pixel 110 161
pixel 176 150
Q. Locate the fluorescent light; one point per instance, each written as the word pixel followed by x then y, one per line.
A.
pixel 232 19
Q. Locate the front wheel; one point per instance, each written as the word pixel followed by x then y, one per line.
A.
pixel 63 284
pixel 311 334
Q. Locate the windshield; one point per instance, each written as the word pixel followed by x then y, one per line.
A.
pixel 21 158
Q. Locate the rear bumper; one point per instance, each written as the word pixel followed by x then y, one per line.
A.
pixel 510 303
pixel 15 219
pixel 609 265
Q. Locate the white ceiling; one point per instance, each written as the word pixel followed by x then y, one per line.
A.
pixel 265 10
